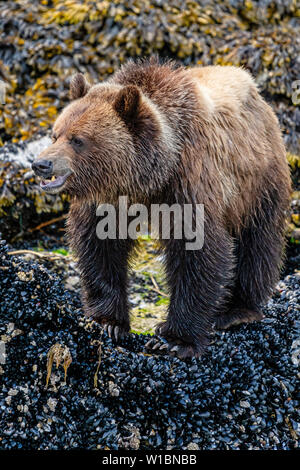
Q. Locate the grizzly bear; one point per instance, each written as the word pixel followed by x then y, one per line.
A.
pixel 162 133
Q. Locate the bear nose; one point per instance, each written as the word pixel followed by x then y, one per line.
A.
pixel 42 167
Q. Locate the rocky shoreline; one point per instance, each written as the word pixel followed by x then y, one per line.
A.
pixel 243 394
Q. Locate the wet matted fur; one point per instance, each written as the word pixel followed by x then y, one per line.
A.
pixel 159 133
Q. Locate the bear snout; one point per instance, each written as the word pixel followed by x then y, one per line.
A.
pixel 42 168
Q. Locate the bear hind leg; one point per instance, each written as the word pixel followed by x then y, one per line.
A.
pixel 259 253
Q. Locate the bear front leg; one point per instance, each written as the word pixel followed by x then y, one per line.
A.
pixel 199 281
pixel 104 285
pixel 103 266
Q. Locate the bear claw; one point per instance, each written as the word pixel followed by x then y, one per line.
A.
pixel 182 351
pixel 155 344
pixel 114 331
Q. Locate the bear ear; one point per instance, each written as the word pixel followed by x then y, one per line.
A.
pixel 79 86
pixel 127 103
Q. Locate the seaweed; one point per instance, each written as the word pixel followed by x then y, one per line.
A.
pixel 44 42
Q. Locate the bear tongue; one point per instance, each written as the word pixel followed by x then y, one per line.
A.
pixel 58 181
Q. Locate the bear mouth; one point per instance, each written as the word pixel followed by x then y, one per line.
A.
pixel 55 183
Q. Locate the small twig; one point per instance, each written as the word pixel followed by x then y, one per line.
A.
pixel 43 254
pixel 45 224
pixel 99 361
pixel 156 288
pixel 25 252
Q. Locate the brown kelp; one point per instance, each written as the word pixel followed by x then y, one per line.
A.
pixel 43 42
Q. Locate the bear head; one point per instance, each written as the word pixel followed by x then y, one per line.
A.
pixel 110 140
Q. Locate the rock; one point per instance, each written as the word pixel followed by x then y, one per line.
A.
pixel 122 397
pixel 192 446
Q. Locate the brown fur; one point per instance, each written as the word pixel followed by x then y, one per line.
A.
pixel 166 134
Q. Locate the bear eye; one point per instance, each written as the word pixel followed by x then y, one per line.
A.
pixel 76 141
pixel 54 138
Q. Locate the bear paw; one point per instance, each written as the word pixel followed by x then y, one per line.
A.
pixel 168 342
pixel 237 316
